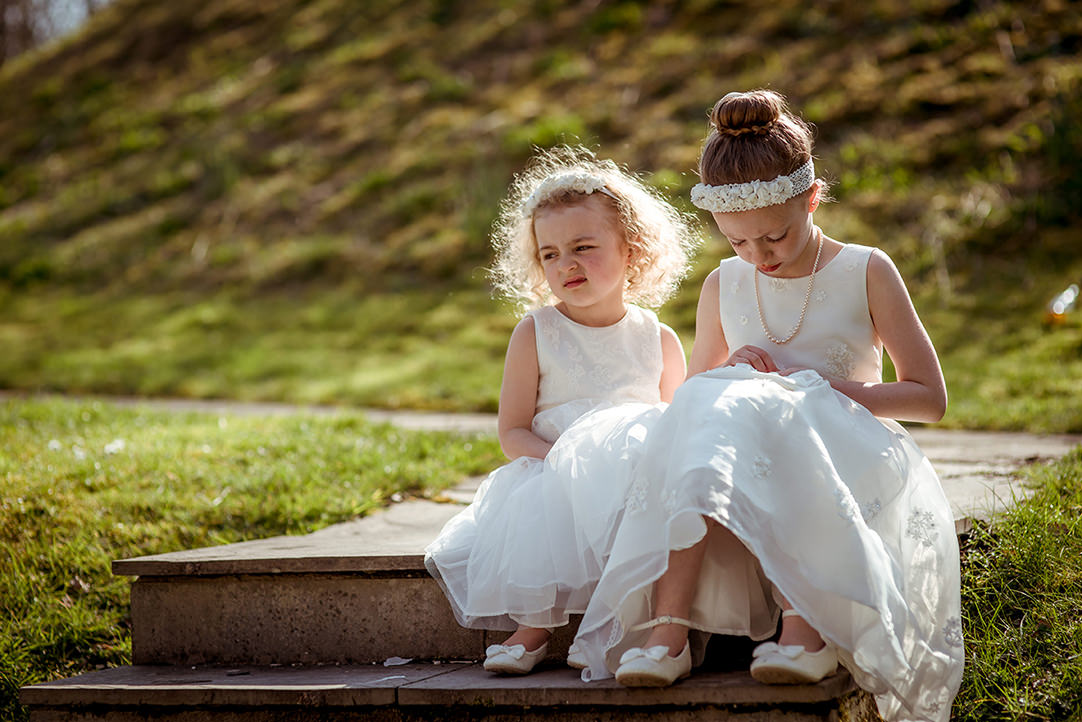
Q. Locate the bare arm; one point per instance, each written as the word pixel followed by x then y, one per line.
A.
pixel 919 394
pixel 518 395
pixel 710 349
pixel 674 367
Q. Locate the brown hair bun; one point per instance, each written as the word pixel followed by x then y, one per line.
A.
pixel 740 113
pixel 753 136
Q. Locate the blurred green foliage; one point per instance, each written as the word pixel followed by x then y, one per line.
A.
pixel 277 158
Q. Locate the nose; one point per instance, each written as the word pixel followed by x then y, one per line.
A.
pixel 568 263
pixel 758 254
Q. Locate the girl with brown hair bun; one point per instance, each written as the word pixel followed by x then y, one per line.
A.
pixel 777 484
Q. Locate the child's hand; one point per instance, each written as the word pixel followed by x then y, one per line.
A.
pixel 754 356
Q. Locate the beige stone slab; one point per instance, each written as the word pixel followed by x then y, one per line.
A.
pixel 558 685
pixel 388 541
pixel 150 685
pixel 979 469
pixel 305 619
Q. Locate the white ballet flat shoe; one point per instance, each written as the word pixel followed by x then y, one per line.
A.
pixel 575 657
pixel 792 664
pixel 513 659
pixel 653 667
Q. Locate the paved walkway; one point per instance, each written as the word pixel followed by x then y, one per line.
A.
pixel 978 469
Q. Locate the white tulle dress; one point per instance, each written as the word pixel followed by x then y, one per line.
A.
pixel 835 509
pixel 531 546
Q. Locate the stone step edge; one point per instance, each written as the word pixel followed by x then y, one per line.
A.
pixel 387 565
pixel 391 540
pixel 409 684
pixel 224 560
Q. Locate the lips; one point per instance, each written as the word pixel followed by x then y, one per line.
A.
pixel 770 269
pixel 574 282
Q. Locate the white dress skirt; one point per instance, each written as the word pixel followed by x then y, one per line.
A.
pixel 835 509
pixel 532 545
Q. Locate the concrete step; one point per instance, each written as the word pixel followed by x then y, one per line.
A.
pixel 352 593
pixel 414 692
pixel 358 592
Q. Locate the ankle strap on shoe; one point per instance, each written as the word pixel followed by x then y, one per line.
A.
pixel 663 619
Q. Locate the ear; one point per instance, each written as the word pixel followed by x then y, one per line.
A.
pixel 816 194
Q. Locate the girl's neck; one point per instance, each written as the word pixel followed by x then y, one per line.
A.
pixel 597 315
pixel 803 267
pixel 808 257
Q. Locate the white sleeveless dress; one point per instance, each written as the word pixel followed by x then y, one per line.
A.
pixel 839 510
pixel 531 546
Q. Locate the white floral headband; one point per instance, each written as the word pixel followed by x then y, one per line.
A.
pixel 575 181
pixel 754 194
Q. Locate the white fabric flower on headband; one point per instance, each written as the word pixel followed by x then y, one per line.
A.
pixel 735 197
pixel 577 181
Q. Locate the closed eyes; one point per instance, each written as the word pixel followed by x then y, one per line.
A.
pixel 779 239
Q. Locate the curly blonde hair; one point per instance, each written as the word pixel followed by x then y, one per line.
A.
pixel 660 237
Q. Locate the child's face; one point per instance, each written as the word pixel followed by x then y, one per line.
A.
pixel 583 253
pixel 776 239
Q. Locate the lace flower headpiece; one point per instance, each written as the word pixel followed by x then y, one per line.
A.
pixel 734 197
pixel 561 183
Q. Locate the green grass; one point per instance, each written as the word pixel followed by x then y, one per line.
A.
pixel 1022 600
pixel 82 484
pixel 443 349
pixel 1006 366
pixel 388 350
pixel 290 201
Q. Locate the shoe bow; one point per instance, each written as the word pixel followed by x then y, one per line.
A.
pixel 654 654
pixel 515 651
pixel 792 651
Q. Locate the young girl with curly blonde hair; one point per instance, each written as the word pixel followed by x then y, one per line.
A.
pixel 579 242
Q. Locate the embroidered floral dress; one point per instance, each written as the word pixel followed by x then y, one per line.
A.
pixel 835 509
pixel 531 546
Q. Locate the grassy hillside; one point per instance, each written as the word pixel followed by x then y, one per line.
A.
pixel 289 200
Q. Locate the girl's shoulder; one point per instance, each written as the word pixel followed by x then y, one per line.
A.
pixel 851 257
pixel 728 270
pixel 536 314
pixel 875 260
pixel 730 263
pixel 525 328
pixel 858 250
pixel 732 273
pixel 545 318
pixel 641 313
pixel 642 321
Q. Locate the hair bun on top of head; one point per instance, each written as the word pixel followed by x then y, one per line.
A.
pixel 757 154
pixel 755 111
pixel 757 129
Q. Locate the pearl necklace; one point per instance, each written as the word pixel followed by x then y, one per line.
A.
pixel 803 309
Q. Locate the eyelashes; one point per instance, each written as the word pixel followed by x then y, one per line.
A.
pixel 779 239
pixel 549 255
